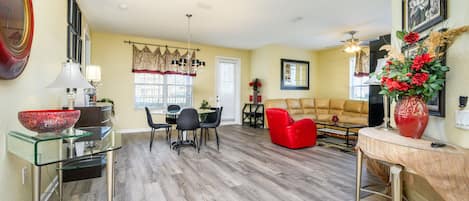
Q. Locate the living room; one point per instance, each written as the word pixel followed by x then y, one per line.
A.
pixel 238 53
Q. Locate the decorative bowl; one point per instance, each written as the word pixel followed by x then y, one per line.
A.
pixel 43 121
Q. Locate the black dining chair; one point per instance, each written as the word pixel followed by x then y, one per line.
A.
pixel 155 126
pixel 188 120
pixel 213 120
pixel 171 118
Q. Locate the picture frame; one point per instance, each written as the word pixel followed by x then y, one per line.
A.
pixel 79 51
pixel 71 48
pixel 294 74
pixel 419 16
pixel 437 105
pixel 70 8
pixel 16 37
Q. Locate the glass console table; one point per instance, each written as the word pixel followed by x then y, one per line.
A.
pixel 68 145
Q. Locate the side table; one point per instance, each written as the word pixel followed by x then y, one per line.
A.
pixel 48 148
pixel 444 168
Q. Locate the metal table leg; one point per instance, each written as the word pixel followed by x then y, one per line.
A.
pixel 60 181
pixel 396 184
pixel 110 175
pixel 36 183
pixel 359 174
pixel 347 141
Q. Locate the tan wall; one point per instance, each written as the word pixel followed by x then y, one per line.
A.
pixel 115 59
pixel 456 85
pixel 265 65
pixel 333 72
pixel 29 92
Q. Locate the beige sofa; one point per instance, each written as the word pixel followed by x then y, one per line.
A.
pixel 322 109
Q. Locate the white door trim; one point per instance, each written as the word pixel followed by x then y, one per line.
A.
pixel 238 86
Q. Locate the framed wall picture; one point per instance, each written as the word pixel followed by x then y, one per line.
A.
pixel 294 74
pixel 436 106
pixel 70 11
pixel 420 15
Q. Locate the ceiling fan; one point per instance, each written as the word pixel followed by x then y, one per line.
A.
pixel 352 45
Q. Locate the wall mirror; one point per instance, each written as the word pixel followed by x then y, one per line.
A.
pixel 16 35
pixel 294 74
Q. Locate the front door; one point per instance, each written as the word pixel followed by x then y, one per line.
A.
pixel 227 84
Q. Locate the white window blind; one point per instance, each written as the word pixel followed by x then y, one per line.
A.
pixel 158 91
pixel 358 89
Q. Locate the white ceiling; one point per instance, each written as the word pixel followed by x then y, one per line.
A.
pixel 246 24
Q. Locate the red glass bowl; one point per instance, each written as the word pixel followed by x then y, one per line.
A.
pixel 43 121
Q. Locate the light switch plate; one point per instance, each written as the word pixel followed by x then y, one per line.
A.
pixel 462 119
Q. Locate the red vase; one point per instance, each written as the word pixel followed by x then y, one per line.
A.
pixel 411 116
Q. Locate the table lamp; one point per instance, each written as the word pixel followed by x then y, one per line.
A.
pixel 70 78
pixel 374 81
pixel 93 75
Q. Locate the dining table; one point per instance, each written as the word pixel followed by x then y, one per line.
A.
pixel 185 141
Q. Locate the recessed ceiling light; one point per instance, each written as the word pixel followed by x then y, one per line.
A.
pixel 123 6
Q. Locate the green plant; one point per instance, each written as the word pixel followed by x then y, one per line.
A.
pixel 204 104
pixel 107 100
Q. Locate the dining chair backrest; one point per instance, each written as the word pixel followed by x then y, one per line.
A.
pixel 188 119
pixel 149 118
pixel 218 112
pixel 171 118
pixel 173 108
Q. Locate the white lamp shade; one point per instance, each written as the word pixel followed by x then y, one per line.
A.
pixel 70 77
pixel 93 73
pixel 379 67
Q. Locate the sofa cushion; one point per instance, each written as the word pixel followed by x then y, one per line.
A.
pixel 294 106
pixel 308 105
pixel 324 117
pixel 364 112
pixel 298 117
pixel 336 106
pixel 276 103
pixel 353 108
pixel 322 105
pixel 353 119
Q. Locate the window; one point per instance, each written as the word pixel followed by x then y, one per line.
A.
pixel 358 89
pixel 158 91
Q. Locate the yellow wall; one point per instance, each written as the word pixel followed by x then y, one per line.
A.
pixel 333 73
pixel 265 65
pixel 115 59
pixel 456 85
pixel 29 92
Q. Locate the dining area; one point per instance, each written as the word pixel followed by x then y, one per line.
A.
pixel 192 125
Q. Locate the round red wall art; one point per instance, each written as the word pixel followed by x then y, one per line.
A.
pixel 16 36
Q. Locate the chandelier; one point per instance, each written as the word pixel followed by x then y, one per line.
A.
pixel 352 45
pixel 190 57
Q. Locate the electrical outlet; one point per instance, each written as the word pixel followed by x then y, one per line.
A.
pixel 24 172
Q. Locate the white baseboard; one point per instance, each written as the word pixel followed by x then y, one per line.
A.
pixel 136 130
pixel 50 189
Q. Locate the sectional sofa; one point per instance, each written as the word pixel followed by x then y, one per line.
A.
pixel 322 109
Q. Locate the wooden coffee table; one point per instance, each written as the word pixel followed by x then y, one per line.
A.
pixel 331 127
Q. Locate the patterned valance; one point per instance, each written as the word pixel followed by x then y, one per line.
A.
pixel 362 63
pixel 147 61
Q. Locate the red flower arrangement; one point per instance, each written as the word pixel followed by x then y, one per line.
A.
pixel 255 84
pixel 420 75
pixel 411 38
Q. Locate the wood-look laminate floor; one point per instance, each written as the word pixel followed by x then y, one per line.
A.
pixel 248 167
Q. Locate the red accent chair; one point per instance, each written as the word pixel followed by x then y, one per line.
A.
pixel 289 133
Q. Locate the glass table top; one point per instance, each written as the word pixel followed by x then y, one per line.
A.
pixel 68 145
